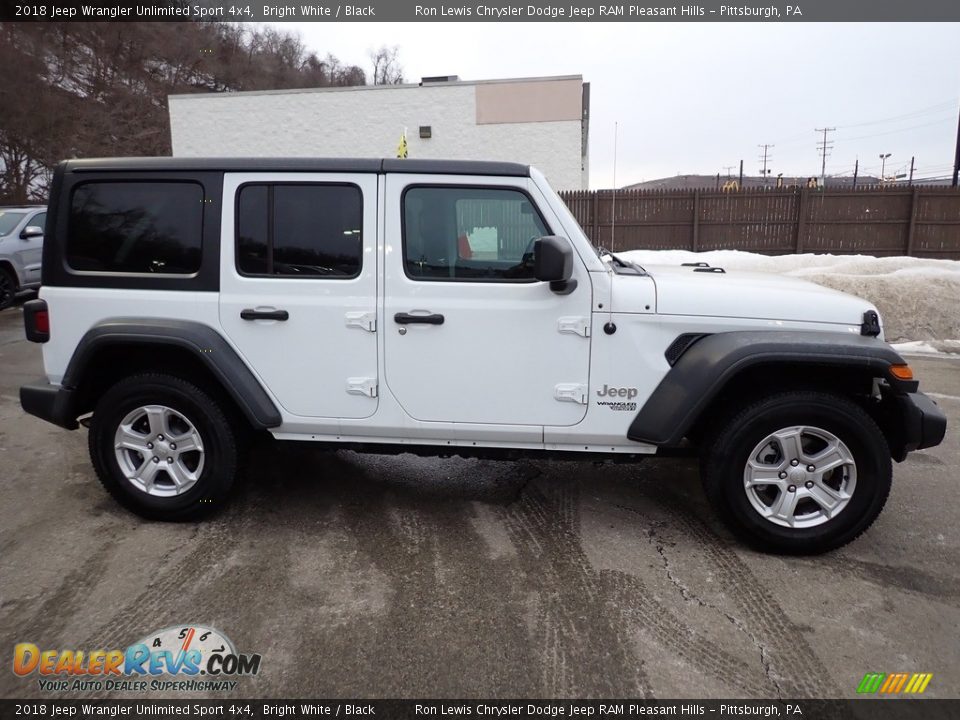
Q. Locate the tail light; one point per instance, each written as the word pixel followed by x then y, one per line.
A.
pixel 36 321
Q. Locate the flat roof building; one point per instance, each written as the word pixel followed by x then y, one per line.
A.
pixel 537 121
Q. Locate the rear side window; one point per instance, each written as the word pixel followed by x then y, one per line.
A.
pixel 306 231
pixel 469 233
pixel 136 227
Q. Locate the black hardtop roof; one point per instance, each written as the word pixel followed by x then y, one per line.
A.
pixel 298 164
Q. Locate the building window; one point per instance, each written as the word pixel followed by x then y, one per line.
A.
pixel 308 231
pixel 470 233
pixel 136 227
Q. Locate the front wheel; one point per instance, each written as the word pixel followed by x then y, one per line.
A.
pixel 798 472
pixel 162 447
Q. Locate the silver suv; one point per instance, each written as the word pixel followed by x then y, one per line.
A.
pixel 21 245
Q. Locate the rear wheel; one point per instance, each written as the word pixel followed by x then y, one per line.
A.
pixel 163 448
pixel 8 288
pixel 798 472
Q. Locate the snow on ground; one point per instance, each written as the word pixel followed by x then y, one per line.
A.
pixel 918 299
pixel 928 347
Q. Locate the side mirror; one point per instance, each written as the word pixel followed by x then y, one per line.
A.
pixel 553 263
pixel 31 231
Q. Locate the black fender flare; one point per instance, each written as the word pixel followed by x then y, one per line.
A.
pixel 202 341
pixel 712 361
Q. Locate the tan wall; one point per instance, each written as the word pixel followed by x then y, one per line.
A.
pixel 534 101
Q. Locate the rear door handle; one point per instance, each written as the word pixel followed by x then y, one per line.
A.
pixel 251 314
pixel 407 319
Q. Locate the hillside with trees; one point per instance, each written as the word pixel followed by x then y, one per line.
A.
pixel 100 89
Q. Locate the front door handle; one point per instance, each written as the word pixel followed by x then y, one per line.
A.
pixel 251 314
pixel 407 319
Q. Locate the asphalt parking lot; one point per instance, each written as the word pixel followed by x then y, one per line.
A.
pixel 372 576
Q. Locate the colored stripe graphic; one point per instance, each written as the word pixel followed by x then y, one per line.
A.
pixel 894 683
pixel 914 682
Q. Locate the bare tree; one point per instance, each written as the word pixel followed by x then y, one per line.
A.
pixel 386 65
pixel 95 89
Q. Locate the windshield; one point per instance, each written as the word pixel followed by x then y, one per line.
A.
pixel 547 189
pixel 8 221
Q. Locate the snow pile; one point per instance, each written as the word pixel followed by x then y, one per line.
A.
pixel 919 299
pixel 932 347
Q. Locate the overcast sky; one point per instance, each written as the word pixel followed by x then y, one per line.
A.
pixel 698 97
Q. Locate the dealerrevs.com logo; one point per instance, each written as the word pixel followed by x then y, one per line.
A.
pixel 183 657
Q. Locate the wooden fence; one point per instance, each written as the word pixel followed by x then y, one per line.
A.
pixel 919 221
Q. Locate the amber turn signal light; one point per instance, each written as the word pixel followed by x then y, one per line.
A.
pixel 901 372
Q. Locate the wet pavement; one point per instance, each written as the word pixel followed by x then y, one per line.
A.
pixel 378 576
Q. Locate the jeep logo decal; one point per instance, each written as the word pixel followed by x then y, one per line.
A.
pixel 608 391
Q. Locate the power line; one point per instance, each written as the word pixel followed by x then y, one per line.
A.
pixel 932 110
pixel 937 109
pixel 898 130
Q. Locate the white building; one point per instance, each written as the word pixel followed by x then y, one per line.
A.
pixel 540 121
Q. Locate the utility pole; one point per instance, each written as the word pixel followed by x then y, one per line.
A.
pixel 824 147
pixel 912 161
pixel 764 158
pixel 856 171
pixel 740 184
pixel 956 162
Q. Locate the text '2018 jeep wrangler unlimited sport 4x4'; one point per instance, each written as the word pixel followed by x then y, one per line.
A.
pixel 444 307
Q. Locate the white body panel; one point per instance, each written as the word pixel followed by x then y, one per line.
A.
pixel 74 310
pixel 509 366
pixel 500 354
pixel 308 361
pixel 684 291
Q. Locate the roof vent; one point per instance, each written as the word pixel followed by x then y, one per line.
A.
pixel 436 79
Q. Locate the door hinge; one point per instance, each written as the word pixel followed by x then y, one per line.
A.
pixel 362 386
pixel 574 326
pixel 571 392
pixel 364 319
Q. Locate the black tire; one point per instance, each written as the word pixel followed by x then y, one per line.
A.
pixel 8 288
pixel 212 487
pixel 728 449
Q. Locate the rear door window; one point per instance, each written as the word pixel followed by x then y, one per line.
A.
pixel 300 230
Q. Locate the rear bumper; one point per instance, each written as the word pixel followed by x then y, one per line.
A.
pixel 49 402
pixel 924 424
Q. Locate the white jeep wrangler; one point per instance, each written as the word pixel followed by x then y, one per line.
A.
pixel 444 307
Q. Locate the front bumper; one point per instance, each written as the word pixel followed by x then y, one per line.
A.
pixel 49 402
pixel 923 423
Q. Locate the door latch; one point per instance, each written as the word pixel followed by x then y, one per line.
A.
pixel 571 392
pixel 363 319
pixel 574 326
pixel 362 386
